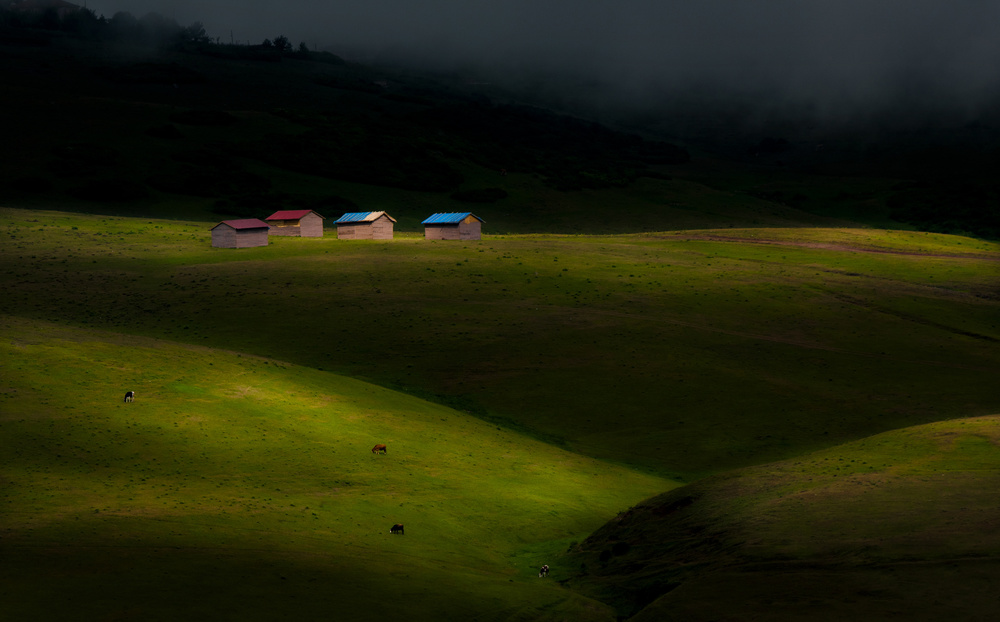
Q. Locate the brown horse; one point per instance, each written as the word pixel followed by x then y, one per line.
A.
pixel 379 449
pixel 397 528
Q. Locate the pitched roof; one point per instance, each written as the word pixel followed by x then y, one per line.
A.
pixel 361 217
pixel 245 223
pixel 292 214
pixel 450 218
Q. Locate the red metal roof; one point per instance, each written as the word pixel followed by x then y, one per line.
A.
pixel 245 223
pixel 290 214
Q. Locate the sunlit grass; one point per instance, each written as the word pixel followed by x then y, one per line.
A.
pixel 225 459
pixel 713 348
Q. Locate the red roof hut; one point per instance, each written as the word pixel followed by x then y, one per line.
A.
pixel 240 233
pixel 296 222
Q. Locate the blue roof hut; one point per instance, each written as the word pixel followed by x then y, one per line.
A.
pixel 453 226
pixel 365 226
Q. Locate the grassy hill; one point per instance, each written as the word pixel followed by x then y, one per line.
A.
pixel 897 525
pixel 685 353
pixel 237 487
pixel 248 481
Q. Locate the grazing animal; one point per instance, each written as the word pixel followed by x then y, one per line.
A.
pixel 543 571
pixel 397 528
pixel 130 396
pixel 379 449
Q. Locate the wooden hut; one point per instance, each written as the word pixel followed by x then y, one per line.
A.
pixel 453 226
pixel 304 223
pixel 240 233
pixel 365 226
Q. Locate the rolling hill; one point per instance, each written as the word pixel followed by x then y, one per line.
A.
pixel 900 524
pixel 675 355
pixel 237 487
pixel 802 388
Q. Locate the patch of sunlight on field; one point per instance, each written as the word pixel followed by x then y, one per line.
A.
pixel 225 458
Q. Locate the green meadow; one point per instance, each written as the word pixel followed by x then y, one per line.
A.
pixel 684 353
pixel 530 388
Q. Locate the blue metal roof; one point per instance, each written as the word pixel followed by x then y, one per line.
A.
pixel 353 217
pixel 452 218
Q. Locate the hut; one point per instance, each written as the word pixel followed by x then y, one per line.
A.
pixel 304 223
pixel 240 233
pixel 453 226
pixel 365 226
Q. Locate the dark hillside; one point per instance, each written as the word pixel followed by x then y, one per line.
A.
pixel 201 130
pixel 311 126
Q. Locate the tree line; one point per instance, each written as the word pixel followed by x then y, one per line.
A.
pixel 152 29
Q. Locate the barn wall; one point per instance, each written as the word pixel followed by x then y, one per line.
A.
pixel 441 232
pixel 249 238
pixel 284 227
pixel 224 236
pixel 381 228
pixel 354 231
pixel 470 229
pixel 311 226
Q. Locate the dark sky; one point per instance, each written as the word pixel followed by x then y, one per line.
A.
pixel 831 51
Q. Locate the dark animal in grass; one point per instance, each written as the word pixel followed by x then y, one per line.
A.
pixel 130 396
pixel 379 449
pixel 397 528
pixel 543 571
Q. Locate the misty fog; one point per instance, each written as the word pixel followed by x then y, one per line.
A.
pixel 827 59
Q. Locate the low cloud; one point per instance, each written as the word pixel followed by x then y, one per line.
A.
pixel 832 54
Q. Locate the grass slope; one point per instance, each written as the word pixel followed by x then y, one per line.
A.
pixel 688 353
pixel 900 525
pixel 242 488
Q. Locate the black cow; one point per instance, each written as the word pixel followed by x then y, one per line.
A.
pixel 397 528
pixel 130 396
